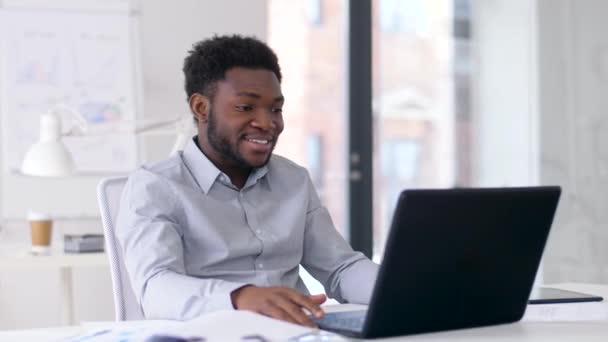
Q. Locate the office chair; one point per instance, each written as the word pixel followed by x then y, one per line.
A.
pixel 126 306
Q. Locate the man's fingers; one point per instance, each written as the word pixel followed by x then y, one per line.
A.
pixel 293 309
pixel 318 298
pixel 279 302
pixel 278 312
pixel 306 302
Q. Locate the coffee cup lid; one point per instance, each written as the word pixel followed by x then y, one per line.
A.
pixel 37 216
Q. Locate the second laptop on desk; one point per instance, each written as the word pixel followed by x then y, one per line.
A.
pixel 455 258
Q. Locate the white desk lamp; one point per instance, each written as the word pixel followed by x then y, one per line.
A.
pixel 49 157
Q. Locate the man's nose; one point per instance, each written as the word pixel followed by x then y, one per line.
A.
pixel 265 120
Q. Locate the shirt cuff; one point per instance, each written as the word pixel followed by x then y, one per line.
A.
pixel 221 297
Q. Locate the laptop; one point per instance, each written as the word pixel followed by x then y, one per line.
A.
pixel 455 258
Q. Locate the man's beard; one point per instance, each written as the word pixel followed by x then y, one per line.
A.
pixel 221 144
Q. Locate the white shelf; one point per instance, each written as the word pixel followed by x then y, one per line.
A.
pixel 54 260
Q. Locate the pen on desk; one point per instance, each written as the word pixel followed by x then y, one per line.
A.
pixel 316 335
pixel 169 338
pixel 90 336
pixel 254 338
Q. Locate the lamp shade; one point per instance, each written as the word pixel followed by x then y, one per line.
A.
pixel 48 157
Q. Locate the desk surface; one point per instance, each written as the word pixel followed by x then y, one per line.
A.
pixel 57 259
pixel 521 331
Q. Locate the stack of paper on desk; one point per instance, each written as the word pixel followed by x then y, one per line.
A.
pixel 217 326
pixel 234 325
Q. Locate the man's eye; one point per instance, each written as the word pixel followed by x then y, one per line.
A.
pixel 277 110
pixel 244 108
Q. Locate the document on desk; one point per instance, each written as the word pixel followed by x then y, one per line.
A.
pixel 569 312
pixel 241 326
pixel 223 326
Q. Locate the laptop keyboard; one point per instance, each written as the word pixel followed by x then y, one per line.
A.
pixel 352 320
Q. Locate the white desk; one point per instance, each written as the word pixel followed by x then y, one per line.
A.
pixel 521 331
pixel 64 263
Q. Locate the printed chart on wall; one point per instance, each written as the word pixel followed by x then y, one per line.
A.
pixel 78 59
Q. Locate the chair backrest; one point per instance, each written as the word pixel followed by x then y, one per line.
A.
pixel 126 306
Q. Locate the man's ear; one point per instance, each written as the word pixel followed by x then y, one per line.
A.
pixel 200 106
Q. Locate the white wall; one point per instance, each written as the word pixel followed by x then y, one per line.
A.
pixel 573 101
pixel 504 93
pixel 540 118
pixel 505 96
pixel 166 31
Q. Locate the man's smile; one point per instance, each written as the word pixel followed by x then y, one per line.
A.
pixel 258 141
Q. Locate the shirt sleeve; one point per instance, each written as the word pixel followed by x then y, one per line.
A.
pixel 148 230
pixel 347 276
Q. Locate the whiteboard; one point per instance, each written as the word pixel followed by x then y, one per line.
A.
pixel 81 59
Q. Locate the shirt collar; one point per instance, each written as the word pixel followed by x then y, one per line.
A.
pixel 206 173
pixel 256 175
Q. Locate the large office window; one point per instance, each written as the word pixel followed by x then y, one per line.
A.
pixel 309 38
pixel 420 101
pixel 415 103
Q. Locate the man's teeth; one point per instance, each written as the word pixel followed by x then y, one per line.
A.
pixel 259 141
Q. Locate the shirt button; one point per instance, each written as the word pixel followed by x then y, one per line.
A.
pixel 259 231
pixel 260 265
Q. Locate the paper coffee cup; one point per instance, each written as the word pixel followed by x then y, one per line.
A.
pixel 41 227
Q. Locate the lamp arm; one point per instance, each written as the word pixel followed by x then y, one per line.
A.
pixel 182 125
pixel 152 125
pixel 180 142
pixel 133 127
pixel 75 123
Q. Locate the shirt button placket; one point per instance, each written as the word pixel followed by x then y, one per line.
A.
pixel 258 232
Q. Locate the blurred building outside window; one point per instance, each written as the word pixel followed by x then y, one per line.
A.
pixel 421 106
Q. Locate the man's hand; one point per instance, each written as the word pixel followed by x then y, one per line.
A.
pixel 279 302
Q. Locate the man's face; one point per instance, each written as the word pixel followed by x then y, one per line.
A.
pixel 245 118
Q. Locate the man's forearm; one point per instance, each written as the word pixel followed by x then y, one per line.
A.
pixel 357 281
pixel 170 295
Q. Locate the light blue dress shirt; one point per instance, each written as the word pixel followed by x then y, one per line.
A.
pixel 190 237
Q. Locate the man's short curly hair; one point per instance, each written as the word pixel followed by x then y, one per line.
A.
pixel 209 60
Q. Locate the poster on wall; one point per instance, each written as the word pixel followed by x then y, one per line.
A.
pixel 81 60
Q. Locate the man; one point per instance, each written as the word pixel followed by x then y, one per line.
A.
pixel 225 223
